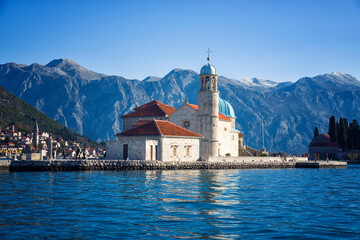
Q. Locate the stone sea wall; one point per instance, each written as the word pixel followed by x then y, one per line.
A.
pixel 321 164
pixel 4 164
pixel 92 165
pixel 125 165
pixel 250 159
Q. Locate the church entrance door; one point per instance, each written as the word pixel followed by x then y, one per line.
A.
pixel 125 151
pixel 151 152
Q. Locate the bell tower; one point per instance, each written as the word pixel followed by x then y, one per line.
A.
pixel 208 114
pixel 36 134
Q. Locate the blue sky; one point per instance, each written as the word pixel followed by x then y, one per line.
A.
pixel 276 40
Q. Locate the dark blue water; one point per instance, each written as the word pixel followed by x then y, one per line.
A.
pixel 195 204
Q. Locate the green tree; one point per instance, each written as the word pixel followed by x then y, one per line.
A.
pixel 346 125
pixel 353 139
pixel 332 129
pixel 357 137
pixel 342 133
pixel 350 138
pixel 337 130
pixel 316 132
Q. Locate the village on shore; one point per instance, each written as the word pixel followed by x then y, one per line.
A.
pixel 39 145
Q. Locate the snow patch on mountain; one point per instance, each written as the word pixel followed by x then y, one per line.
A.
pixel 259 82
pixel 73 69
pixel 151 79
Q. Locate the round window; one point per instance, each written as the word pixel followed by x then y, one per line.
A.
pixel 186 123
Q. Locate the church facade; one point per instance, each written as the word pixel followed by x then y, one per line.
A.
pixel 156 131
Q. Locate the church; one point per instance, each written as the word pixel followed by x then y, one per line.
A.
pixel 156 131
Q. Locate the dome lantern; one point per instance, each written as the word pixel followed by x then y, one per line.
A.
pixel 208 69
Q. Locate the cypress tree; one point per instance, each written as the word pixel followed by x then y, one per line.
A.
pixel 346 126
pixel 350 136
pixel 357 137
pixel 316 132
pixel 342 133
pixel 354 128
pixel 337 130
pixel 332 129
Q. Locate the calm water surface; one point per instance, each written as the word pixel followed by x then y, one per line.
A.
pixel 194 204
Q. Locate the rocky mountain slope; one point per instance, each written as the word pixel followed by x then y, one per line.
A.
pixel 91 103
pixel 14 111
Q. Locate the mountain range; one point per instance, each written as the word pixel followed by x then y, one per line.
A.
pixel 91 103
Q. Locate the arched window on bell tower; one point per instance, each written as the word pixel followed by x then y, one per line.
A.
pixel 208 78
pixel 208 83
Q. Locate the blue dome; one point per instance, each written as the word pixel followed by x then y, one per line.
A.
pixel 208 69
pixel 226 109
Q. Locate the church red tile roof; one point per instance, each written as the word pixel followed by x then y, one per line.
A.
pixel 326 135
pixel 324 144
pixel 323 140
pixel 196 107
pixel 221 116
pixel 153 108
pixel 147 104
pixel 159 128
pixel 140 122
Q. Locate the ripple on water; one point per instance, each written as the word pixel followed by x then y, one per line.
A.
pixel 216 204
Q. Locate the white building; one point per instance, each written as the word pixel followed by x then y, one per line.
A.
pixel 156 131
pixel 155 140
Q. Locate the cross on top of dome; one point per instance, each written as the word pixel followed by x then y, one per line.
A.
pixel 208 51
pixel 208 68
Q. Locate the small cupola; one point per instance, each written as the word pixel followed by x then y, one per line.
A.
pixel 208 69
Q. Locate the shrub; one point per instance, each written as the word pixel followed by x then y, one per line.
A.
pixel 228 154
pixel 353 156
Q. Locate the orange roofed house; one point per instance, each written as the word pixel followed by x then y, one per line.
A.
pixel 322 148
pixel 156 131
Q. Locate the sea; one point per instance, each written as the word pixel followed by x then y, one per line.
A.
pixel 181 204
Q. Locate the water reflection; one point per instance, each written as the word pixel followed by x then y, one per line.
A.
pixel 217 204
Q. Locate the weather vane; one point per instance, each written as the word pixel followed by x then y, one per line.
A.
pixel 208 51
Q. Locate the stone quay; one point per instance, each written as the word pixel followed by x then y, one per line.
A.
pixel 128 165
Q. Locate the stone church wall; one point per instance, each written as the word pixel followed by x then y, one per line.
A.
pixel 113 150
pixel 229 141
pixel 185 113
pixel 154 144
pixel 139 148
pixel 180 143
pixel 136 148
